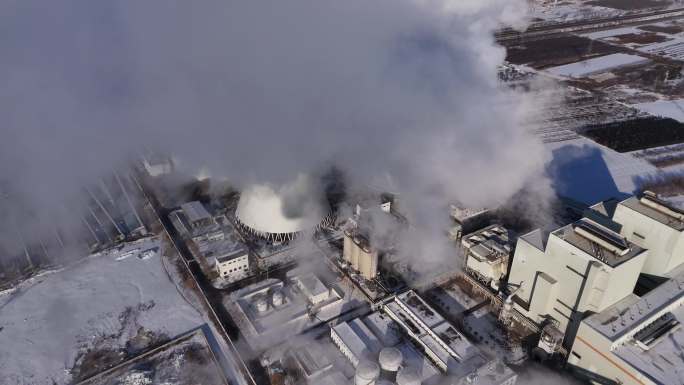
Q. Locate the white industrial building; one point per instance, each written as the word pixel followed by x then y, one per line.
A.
pixel 636 340
pixel 232 263
pixel 355 340
pixel 487 253
pixel 313 289
pixel 654 225
pixel 467 220
pixel 582 267
pixel 582 279
pixel 157 165
pixel 438 349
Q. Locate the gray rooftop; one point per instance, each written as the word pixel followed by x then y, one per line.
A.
pixel 663 362
pixel 195 211
pixel 635 204
pixel 569 234
pixel 633 312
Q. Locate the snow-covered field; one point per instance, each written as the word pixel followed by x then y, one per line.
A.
pixel 665 108
pixel 101 301
pixel 590 66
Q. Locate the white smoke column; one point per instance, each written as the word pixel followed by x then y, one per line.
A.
pixel 264 90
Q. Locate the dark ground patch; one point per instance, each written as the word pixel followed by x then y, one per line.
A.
pixel 671 29
pixel 637 134
pixel 639 38
pixel 558 51
pixel 628 5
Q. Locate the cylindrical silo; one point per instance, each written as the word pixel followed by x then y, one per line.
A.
pixel 367 372
pixel 408 376
pixel 261 304
pixel 278 298
pixel 390 362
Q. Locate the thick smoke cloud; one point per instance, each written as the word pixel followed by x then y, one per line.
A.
pixel 262 91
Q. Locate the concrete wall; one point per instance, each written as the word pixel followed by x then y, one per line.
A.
pixel 564 278
pixel 665 244
pixel 591 351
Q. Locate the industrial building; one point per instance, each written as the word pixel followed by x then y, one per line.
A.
pixel 359 255
pixel 583 288
pixel 467 220
pixel 263 212
pixel 378 346
pixel 231 262
pixel 156 164
pixel 637 340
pixel 654 225
pixel 271 310
pixel 487 253
pixel 582 267
pixel 193 221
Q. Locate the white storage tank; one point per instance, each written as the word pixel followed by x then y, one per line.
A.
pixel 278 298
pixel 408 376
pixel 367 372
pixel 261 304
pixel 390 359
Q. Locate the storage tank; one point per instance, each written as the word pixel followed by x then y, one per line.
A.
pixel 367 372
pixel 390 362
pixel 278 298
pixel 261 304
pixel 408 376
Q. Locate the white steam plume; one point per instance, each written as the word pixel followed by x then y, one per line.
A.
pixel 264 90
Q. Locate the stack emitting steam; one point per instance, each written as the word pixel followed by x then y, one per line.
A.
pixel 282 215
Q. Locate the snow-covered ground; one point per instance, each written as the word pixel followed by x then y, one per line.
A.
pixel 665 108
pixel 613 32
pixel 47 321
pixel 590 66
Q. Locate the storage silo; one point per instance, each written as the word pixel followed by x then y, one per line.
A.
pixel 261 304
pixel 278 298
pixel 367 372
pixel 390 362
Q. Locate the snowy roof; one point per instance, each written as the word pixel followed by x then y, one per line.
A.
pixel 632 313
pixel 357 343
pixel 195 211
pixel 535 238
pixel 576 235
pixel 312 285
pixel 635 204
pixel 265 210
